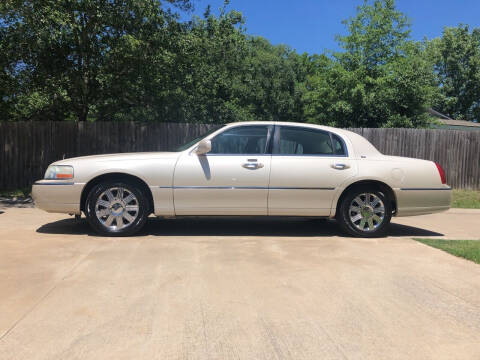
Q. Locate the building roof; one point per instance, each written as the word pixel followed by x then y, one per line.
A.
pixel 449 123
pixel 463 123
pixel 438 115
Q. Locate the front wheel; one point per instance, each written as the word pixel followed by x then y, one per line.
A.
pixel 116 208
pixel 365 212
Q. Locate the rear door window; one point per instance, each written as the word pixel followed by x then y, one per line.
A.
pixel 304 141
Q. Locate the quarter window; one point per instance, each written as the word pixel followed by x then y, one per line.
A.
pixel 338 145
pixel 241 140
pixel 302 141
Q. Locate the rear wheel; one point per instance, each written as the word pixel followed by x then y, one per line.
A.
pixel 116 208
pixel 365 212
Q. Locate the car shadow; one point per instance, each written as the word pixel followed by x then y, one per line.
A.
pixel 232 226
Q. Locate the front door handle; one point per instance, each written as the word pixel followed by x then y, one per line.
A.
pixel 340 166
pixel 252 166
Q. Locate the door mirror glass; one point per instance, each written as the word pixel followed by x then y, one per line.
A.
pixel 203 147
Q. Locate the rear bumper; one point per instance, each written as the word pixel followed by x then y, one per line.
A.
pixel 419 201
pixel 57 196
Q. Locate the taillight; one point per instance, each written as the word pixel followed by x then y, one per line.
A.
pixel 441 172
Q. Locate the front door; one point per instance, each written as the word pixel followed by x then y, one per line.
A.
pixel 232 179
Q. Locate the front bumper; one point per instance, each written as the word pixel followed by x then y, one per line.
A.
pixel 419 201
pixel 57 196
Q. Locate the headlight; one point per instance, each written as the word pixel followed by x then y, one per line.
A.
pixel 59 172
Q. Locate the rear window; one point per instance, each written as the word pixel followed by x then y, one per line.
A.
pixel 307 141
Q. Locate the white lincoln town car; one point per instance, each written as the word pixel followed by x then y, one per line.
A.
pixel 251 169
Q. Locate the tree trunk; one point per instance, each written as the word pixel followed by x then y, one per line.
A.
pixel 83 113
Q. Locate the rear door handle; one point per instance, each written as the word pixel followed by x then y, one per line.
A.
pixel 340 166
pixel 252 166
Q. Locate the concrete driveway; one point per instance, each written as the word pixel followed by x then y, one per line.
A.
pixel 236 289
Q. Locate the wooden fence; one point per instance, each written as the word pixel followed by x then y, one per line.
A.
pixel 27 148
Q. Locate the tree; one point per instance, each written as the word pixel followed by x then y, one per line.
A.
pixel 101 60
pixel 271 86
pixel 7 83
pixel 376 35
pixel 456 56
pixel 225 75
pixel 209 62
pixel 67 56
pixel 379 80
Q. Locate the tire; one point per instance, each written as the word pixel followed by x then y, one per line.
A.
pixel 116 208
pixel 361 218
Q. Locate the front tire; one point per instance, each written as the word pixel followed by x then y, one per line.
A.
pixel 116 208
pixel 365 212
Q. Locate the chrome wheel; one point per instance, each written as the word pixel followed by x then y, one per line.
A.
pixel 117 208
pixel 366 212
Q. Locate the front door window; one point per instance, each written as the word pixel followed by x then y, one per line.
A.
pixel 242 140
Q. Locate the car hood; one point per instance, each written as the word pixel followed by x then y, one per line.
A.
pixel 118 157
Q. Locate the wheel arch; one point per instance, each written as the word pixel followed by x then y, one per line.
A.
pixel 116 176
pixel 375 184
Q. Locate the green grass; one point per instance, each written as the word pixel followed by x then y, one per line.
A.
pixel 467 249
pixel 466 199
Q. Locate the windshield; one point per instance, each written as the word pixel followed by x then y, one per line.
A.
pixel 197 139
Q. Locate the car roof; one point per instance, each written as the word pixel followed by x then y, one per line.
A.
pixel 287 123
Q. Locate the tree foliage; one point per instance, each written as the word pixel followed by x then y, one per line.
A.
pixel 101 60
pixel 380 79
pixel 456 56
pixel 76 59
pixel 376 36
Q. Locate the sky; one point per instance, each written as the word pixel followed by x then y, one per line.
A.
pixel 311 25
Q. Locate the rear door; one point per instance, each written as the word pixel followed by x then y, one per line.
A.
pixel 308 164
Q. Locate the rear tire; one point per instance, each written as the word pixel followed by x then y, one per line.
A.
pixel 116 208
pixel 365 212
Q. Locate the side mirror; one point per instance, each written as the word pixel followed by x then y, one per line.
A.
pixel 203 147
